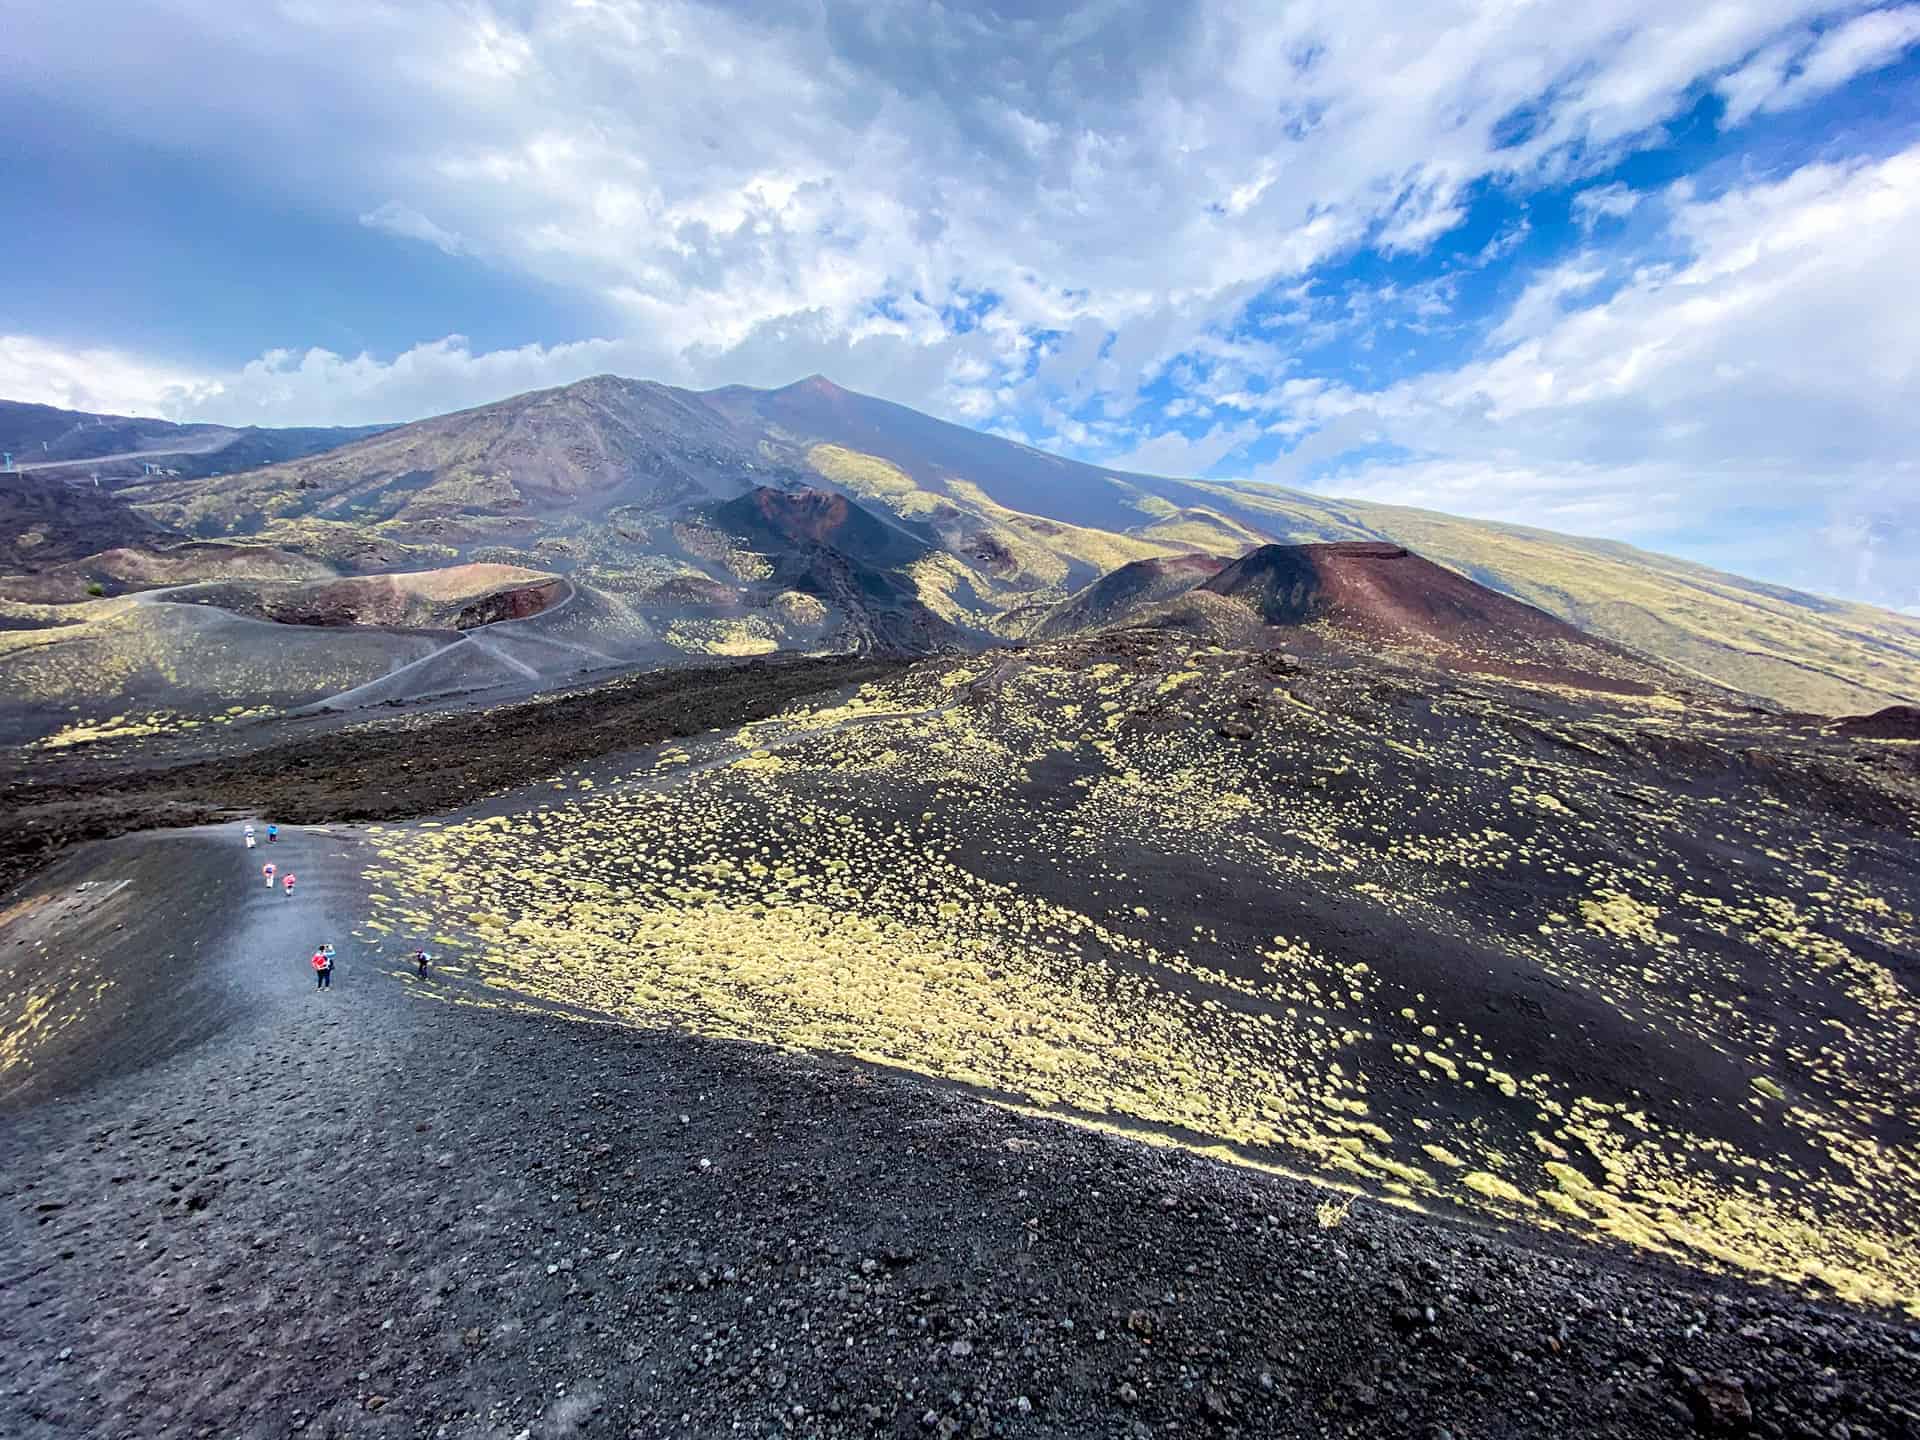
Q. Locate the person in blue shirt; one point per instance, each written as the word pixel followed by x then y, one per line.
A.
pixel 273 833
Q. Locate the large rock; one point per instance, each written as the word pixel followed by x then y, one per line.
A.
pixel 1720 1405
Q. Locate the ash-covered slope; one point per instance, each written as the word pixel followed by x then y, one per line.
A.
pixel 46 521
pixel 458 597
pixel 227 627
pixel 905 1261
pixel 75 445
pixel 1587 964
pixel 777 520
pixel 1802 651
pixel 1125 595
pixel 1895 722
pixel 819 544
pixel 932 451
pixel 1361 596
pixel 495 470
pixel 1620 984
pixel 595 480
pixel 602 479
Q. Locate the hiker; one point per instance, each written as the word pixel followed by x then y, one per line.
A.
pixel 249 836
pixel 289 882
pixel 420 959
pixel 323 968
pixel 273 833
pixel 267 870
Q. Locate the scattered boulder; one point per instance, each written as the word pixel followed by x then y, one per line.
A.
pixel 1720 1405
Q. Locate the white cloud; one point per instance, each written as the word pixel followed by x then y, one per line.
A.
pixel 410 224
pixel 1796 71
pixel 1174 454
pixel 1764 389
pixel 1604 202
pixel 1546 297
pixel 725 176
pixel 99 379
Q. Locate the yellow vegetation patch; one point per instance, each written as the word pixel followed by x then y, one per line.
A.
pixel 750 636
pixel 851 878
pixel 1494 1188
pixel 1619 914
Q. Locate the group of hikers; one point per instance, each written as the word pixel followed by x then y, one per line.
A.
pixel 322 957
pixel 268 870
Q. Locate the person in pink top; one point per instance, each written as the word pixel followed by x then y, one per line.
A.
pixel 288 882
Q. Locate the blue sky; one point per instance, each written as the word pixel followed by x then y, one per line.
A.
pixel 1640 273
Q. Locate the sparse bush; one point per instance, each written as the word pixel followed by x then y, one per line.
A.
pixel 1332 1213
pixel 96 589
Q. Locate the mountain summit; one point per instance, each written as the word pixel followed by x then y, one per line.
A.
pixel 631 491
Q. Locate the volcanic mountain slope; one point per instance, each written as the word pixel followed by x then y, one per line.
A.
pixel 130 666
pixel 611 482
pixel 78 445
pixel 900 1258
pixel 187 655
pixel 1363 596
pixel 1590 966
pixel 458 597
pixel 148 562
pixel 232 628
pixel 1126 595
pixel 1803 651
pixel 822 546
pixel 515 472
pixel 774 521
pixel 46 521
pixel 597 479
pixel 1625 987
pixel 1896 722
pixel 1800 650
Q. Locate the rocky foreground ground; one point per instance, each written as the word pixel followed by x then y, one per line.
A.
pixel 390 1209
pixel 236 1206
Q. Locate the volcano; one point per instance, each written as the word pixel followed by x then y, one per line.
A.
pixel 1364 597
pixel 1383 590
pixel 636 492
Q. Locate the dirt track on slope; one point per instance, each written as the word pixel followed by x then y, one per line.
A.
pixel 411 764
pixel 388 1210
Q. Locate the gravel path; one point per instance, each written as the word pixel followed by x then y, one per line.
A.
pixel 372 1212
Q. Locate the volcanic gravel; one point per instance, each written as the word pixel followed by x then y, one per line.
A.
pixel 369 1211
pixel 360 768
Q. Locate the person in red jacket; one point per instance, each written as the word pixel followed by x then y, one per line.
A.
pixel 323 968
pixel 288 882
